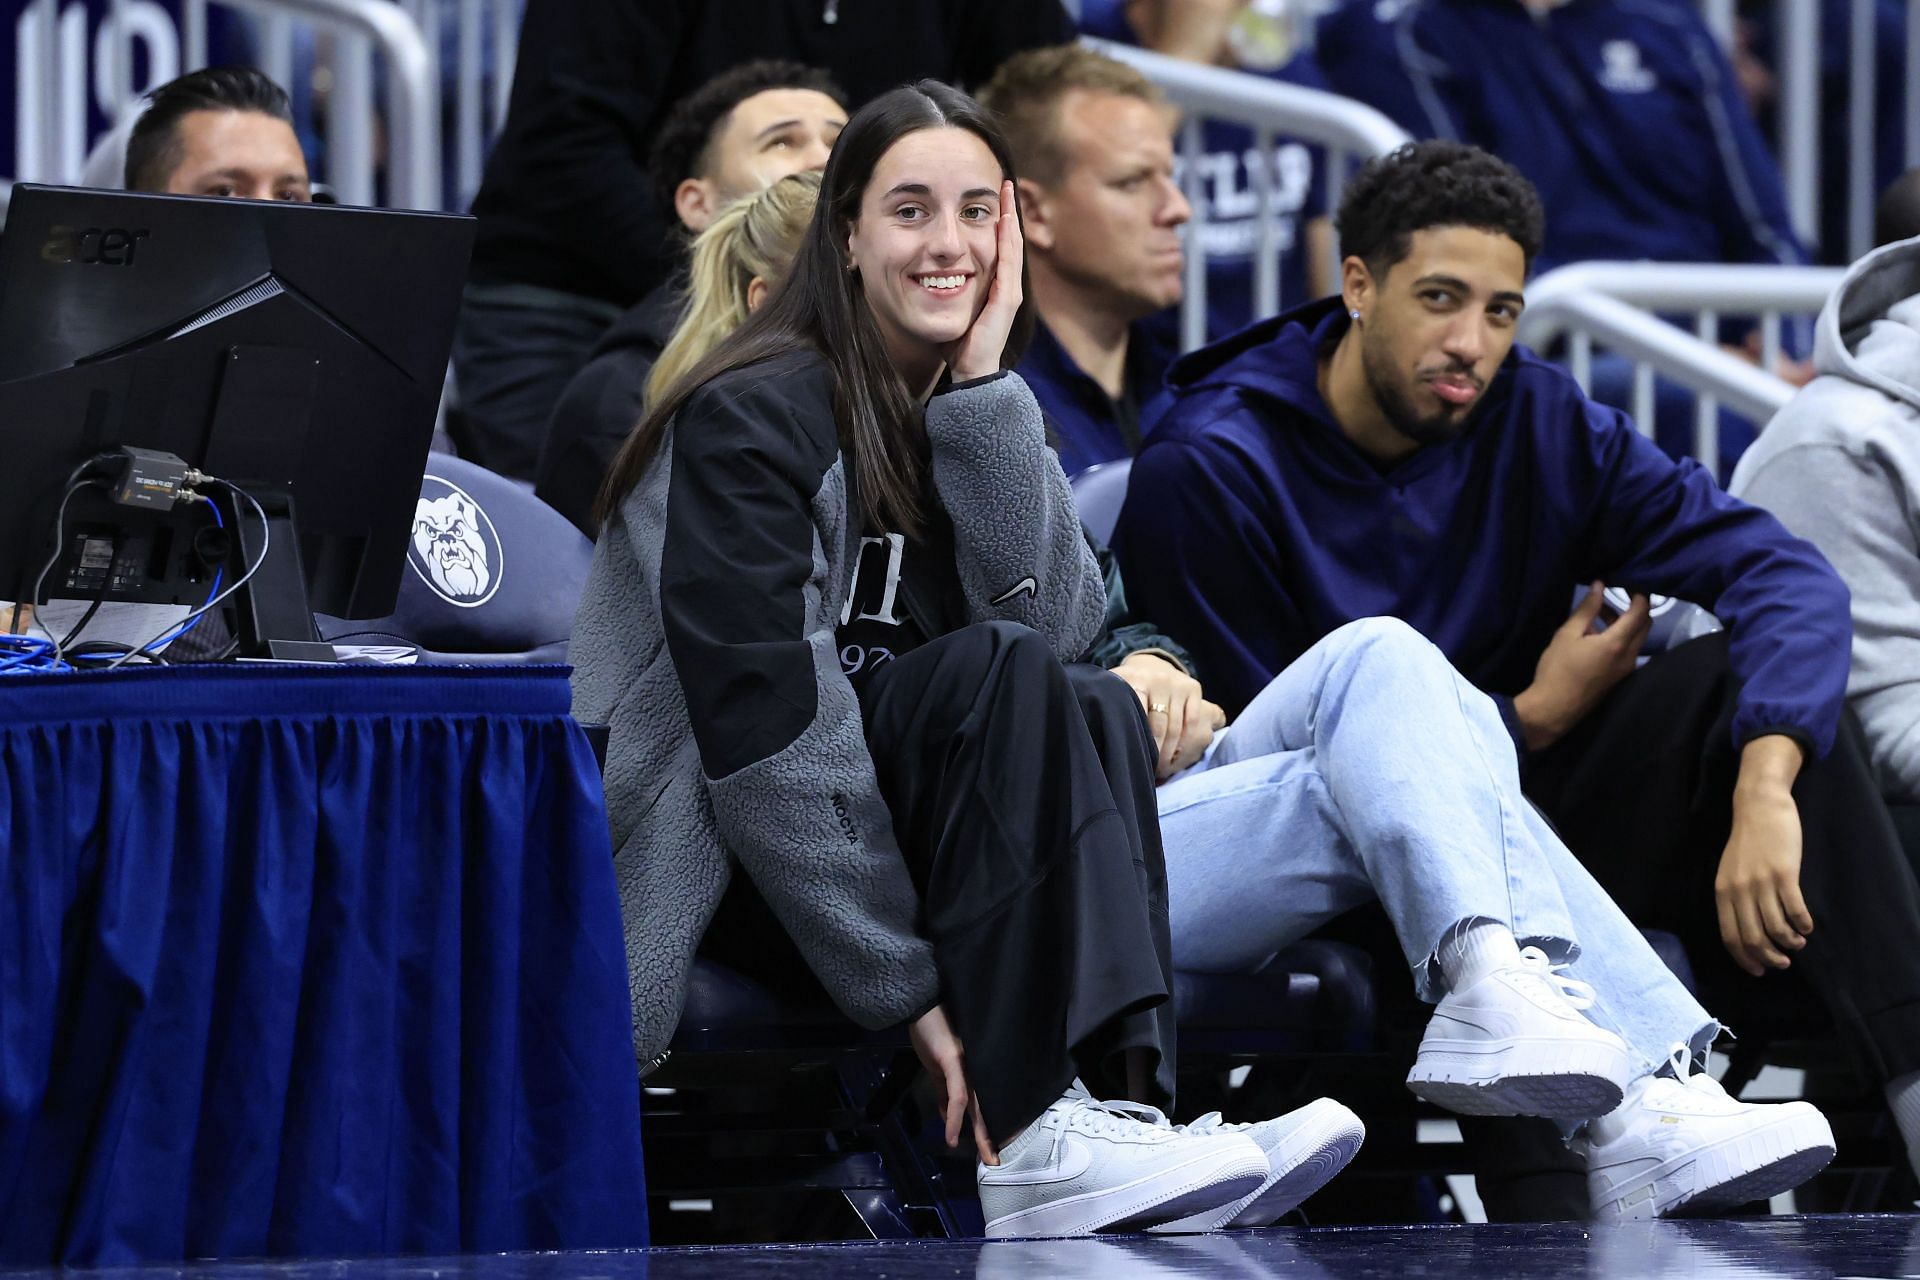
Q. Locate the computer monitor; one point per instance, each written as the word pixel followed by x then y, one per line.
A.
pixel 299 350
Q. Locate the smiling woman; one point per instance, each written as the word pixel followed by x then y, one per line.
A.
pixel 832 624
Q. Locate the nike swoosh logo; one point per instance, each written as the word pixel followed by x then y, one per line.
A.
pixel 1026 585
pixel 1075 1158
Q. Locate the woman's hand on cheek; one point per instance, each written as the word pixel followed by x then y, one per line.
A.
pixel 977 354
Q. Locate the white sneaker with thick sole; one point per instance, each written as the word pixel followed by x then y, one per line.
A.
pixel 1515 1043
pixel 1087 1166
pixel 1305 1148
pixel 1681 1145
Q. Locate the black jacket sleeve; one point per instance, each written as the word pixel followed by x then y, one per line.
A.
pixel 743 574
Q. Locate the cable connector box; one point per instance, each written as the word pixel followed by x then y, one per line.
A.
pixel 150 478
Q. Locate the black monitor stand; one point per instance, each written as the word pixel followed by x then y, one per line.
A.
pixel 273 615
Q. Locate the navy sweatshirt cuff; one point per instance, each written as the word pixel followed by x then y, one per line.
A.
pixel 1510 717
pixel 1809 745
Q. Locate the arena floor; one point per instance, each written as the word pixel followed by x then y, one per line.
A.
pixel 1803 1248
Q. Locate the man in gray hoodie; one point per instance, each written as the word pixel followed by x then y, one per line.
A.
pixel 1840 466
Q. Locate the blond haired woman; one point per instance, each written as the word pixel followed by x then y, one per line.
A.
pixel 739 260
pixel 603 404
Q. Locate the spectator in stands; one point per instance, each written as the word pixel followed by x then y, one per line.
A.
pixel 1840 466
pixel 745 128
pixel 1897 216
pixel 222 131
pixel 1627 118
pixel 953 830
pixel 1391 451
pixel 1102 217
pixel 1239 35
pixel 570 236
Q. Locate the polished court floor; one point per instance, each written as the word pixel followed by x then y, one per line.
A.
pixel 1806 1248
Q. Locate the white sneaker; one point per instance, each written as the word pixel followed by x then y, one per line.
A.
pixel 1087 1166
pixel 1680 1144
pixel 1304 1149
pixel 1515 1043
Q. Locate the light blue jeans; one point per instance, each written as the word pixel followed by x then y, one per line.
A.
pixel 1370 769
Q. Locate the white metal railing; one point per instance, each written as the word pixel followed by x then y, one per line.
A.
pixel 1805 170
pixel 53 86
pixel 1347 129
pixel 359 29
pixel 1612 305
pixel 486 42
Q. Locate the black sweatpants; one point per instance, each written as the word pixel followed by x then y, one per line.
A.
pixel 1642 793
pixel 1022 798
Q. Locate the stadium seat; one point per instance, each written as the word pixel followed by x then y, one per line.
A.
pixel 493 576
pixel 1098 492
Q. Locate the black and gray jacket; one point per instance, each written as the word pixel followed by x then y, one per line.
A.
pixel 705 640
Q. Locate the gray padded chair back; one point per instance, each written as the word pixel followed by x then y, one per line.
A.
pixel 1675 621
pixel 493 574
pixel 1098 492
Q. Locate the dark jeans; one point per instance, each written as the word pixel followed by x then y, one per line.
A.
pixel 1022 799
pixel 515 348
pixel 1642 793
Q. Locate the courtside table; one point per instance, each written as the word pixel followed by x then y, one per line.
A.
pixel 308 961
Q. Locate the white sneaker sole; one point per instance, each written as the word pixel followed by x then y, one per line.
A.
pixel 1756 1164
pixel 1559 1079
pixel 1206 1180
pixel 1322 1143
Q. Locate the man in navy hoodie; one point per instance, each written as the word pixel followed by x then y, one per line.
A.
pixel 1627 117
pixel 1391 451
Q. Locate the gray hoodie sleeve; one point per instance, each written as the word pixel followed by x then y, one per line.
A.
pixel 1850 502
pixel 1017 539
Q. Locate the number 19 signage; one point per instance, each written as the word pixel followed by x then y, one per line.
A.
pixel 74 67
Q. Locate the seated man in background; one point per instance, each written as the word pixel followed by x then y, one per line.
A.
pixel 222 131
pixel 1840 466
pixel 741 131
pixel 1238 35
pixel 1093 140
pixel 1391 451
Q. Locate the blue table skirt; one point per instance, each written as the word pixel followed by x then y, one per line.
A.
pixel 308 961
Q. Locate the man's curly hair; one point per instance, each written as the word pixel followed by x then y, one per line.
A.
pixel 1435 184
pixel 682 148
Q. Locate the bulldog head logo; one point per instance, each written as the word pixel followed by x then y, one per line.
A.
pixel 456 550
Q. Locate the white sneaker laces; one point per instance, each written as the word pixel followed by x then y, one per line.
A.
pixel 1575 992
pixel 1687 1089
pixel 1121 1116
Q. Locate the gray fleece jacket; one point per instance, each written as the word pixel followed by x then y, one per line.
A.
pixel 705 640
pixel 1840 466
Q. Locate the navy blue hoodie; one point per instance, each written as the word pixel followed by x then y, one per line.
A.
pixel 1253 527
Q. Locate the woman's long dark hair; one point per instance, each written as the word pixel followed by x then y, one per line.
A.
pixel 823 308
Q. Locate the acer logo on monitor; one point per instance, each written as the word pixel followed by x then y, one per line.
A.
pixel 92 246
